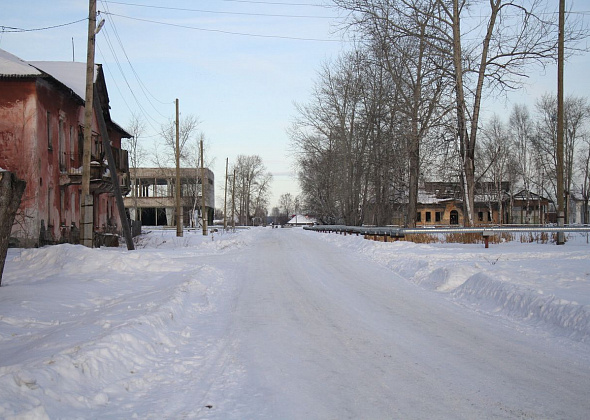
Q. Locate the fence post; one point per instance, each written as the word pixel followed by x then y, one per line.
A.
pixel 486 238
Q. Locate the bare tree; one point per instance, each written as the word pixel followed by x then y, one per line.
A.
pixel 522 132
pixel 286 204
pixel 137 153
pixel 495 157
pixel 576 113
pixel 165 151
pixel 330 137
pixel 11 192
pixel 164 156
pixel 584 164
pixel 252 188
pixel 405 42
pixel 515 35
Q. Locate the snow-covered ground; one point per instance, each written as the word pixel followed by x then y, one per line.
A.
pixel 541 284
pixel 285 323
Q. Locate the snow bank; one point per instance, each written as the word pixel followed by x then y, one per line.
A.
pixel 544 285
pixel 81 327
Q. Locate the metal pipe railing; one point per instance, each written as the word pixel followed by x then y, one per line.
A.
pixel 486 232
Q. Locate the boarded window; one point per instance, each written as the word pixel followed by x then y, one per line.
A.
pixel 61 138
pixel 49 139
pixel 72 141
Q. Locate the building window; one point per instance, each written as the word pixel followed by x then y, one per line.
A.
pixel 61 138
pixel 162 188
pixel 480 216
pixel 97 147
pixel 80 145
pixel 419 217
pixel 428 217
pixel 49 139
pixel 438 216
pixel 72 141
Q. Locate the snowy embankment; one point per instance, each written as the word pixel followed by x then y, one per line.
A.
pixel 542 284
pixel 79 326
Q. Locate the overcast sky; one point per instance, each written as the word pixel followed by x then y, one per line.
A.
pixel 237 65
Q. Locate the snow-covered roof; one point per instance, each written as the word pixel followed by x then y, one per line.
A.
pixel 426 198
pixel 429 198
pixel 300 219
pixel 70 73
pixel 11 65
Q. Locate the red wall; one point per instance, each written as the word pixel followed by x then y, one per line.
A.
pixel 24 150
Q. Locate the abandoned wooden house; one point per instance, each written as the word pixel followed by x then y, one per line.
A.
pixel 441 204
pixel 41 140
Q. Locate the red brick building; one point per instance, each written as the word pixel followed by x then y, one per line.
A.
pixel 41 140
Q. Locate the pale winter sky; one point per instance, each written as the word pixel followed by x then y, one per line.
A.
pixel 237 65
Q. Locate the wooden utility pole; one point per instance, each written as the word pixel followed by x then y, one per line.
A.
pixel 113 170
pixel 204 213
pixel 560 63
pixel 86 200
pixel 225 198
pixel 233 203
pixel 177 188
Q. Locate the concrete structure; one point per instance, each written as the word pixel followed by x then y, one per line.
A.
pixel 41 141
pixel 152 198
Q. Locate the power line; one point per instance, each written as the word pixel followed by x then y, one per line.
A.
pixel 141 84
pixel 224 32
pixel 220 12
pixel 13 29
pixel 275 3
pixel 139 106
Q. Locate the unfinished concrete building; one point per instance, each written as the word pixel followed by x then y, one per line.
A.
pixel 152 197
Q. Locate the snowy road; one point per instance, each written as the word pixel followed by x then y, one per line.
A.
pixel 322 334
pixel 288 324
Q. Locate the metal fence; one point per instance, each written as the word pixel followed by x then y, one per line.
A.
pixel 487 231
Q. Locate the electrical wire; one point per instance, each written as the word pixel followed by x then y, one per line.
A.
pixel 147 116
pixel 146 92
pixel 275 3
pixel 144 88
pixel 293 38
pixel 13 29
pixel 219 12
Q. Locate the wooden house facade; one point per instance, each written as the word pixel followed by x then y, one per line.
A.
pixel 441 204
pixel 41 140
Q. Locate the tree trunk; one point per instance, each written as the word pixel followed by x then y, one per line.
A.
pixel 11 191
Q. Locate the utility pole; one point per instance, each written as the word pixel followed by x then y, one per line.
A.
pixel 113 169
pixel 225 198
pixel 204 213
pixel 233 203
pixel 560 63
pixel 177 189
pixel 86 200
